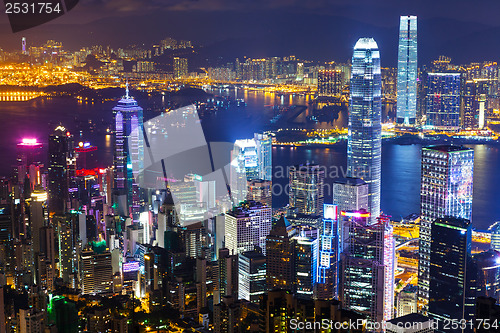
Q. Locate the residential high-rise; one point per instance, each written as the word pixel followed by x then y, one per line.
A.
pixel 364 145
pixel 407 71
pixel 279 255
pixel 350 194
pixel 451 293
pixel 60 148
pixel 128 155
pixel 31 321
pixel 443 101
pixel 367 265
pixel 329 82
pixel 251 275
pixel 247 226
pixel 180 68
pixel 307 188
pixel 97 272
pixel 446 190
pixel 474 103
pixel 226 283
pixel 67 247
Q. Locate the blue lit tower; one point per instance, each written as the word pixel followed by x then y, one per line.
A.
pixel 407 71
pixel 446 190
pixel 364 138
pixel 129 155
pixel 327 276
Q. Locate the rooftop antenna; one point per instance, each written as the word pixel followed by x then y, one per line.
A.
pixel 126 90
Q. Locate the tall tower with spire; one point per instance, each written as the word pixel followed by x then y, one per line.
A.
pixel 128 155
pixel 364 145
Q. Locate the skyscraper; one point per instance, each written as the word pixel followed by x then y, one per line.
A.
pixel 407 71
pixel 327 276
pixel 350 194
pixel 305 248
pixel 180 68
pixel 367 265
pixel 450 272
pixel 247 226
pixel 264 146
pixel 446 190
pixel 306 188
pixel 251 275
pixel 443 101
pixel 279 254
pixel 251 159
pixel 474 103
pixel 128 155
pixel 364 146
pixel 60 148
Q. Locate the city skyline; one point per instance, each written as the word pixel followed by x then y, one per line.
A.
pixel 184 183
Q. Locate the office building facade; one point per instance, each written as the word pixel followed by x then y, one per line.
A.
pixel 307 188
pixel 446 190
pixel 247 226
pixel 367 262
pixel 407 71
pixel 451 292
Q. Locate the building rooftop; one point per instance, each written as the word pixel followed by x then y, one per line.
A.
pixel 410 318
pixel 366 43
pixel 456 222
pixel 447 148
pixel 350 181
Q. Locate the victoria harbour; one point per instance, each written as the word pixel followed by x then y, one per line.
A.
pixel 400 163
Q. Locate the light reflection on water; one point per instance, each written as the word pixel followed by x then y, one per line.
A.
pixel 400 164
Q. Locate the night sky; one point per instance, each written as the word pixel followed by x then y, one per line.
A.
pixel 313 29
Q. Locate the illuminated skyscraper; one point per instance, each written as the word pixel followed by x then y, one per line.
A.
pixel 247 226
pixel 305 248
pixel 367 265
pixel 407 71
pixel 180 68
pixel 128 156
pixel 327 276
pixel 446 190
pixel 251 159
pixel 306 188
pixel 443 100
pixel 451 276
pixel 251 275
pixel 279 255
pixel 364 146
pixel 350 194
pixel 60 149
